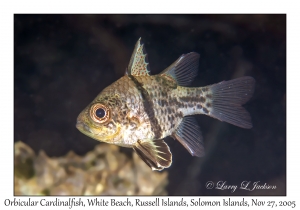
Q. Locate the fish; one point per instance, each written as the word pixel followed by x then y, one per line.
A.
pixel 140 110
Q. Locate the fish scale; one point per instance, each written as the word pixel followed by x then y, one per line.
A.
pixel 172 104
pixel 139 110
pixel 159 91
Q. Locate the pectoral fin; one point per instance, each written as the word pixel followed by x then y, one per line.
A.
pixel 155 153
pixel 189 135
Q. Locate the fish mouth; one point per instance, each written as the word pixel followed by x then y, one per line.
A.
pixel 83 127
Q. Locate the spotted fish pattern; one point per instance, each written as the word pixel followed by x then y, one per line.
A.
pixel 139 110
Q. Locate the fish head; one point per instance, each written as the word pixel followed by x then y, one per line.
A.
pixel 115 116
pixel 102 119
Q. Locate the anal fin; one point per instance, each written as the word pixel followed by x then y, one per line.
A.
pixel 155 153
pixel 189 135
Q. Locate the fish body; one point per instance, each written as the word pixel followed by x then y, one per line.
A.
pixel 139 110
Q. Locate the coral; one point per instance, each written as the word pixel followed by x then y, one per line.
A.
pixel 103 171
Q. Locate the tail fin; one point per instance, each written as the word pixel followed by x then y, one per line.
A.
pixel 228 98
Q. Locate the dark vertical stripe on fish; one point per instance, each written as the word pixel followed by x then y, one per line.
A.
pixel 149 108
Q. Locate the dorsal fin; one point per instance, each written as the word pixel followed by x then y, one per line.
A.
pixel 155 153
pixel 184 69
pixel 189 135
pixel 138 65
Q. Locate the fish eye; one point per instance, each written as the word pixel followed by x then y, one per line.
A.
pixel 100 113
